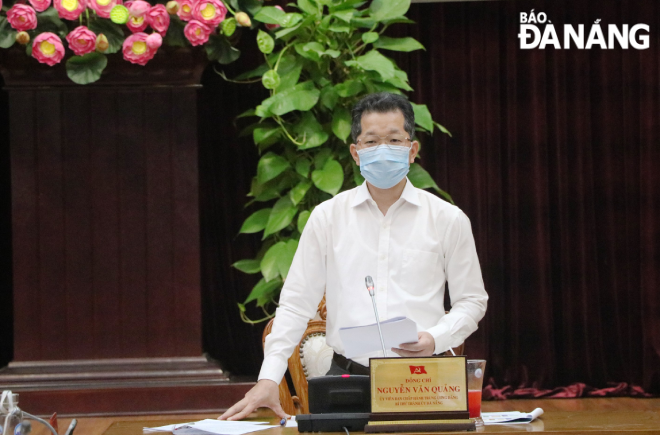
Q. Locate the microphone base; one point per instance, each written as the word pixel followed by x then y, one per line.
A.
pixel 354 422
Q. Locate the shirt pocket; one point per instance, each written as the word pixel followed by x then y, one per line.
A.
pixel 419 271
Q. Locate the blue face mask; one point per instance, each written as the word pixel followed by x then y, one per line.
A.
pixel 384 166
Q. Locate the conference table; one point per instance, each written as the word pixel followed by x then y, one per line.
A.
pixel 562 416
pixel 636 416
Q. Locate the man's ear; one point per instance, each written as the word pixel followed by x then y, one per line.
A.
pixel 355 154
pixel 414 149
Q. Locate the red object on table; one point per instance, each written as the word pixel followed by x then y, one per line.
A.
pixel 474 403
pixel 53 422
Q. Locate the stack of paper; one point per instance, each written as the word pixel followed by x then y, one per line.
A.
pixel 212 427
pixel 511 417
pixel 360 340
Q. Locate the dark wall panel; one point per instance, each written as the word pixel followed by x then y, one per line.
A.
pixel 105 222
pixel 104 196
pixel 185 225
pixel 227 165
pixel 25 250
pixel 160 227
pixel 131 160
pixel 6 293
pixel 78 242
pixel 50 270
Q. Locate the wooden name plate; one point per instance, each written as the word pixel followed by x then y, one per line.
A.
pixel 407 426
pixel 419 394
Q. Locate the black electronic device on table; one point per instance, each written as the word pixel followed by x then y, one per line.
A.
pixel 354 421
pixel 335 403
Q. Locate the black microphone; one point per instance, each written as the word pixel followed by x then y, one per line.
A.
pixel 369 282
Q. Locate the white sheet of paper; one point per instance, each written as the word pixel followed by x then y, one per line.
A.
pixel 168 428
pixel 212 427
pixel 292 422
pixel 360 340
pixel 511 417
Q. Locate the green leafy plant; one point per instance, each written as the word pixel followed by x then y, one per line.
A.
pixel 324 56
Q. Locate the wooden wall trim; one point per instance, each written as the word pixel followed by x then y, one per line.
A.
pixel 111 386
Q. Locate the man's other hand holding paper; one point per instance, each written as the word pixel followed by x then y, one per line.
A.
pixel 425 346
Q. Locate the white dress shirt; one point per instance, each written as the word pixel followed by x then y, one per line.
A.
pixel 421 243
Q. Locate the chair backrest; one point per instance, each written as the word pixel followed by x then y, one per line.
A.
pixel 312 357
pixel 315 355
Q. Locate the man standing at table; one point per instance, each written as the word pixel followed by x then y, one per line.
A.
pixel 410 241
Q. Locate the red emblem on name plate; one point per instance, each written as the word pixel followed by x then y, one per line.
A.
pixel 417 370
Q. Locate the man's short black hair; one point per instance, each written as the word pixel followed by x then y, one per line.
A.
pixel 383 102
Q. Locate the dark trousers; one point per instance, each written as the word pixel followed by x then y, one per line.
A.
pixel 343 366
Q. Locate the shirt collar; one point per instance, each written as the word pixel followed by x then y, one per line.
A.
pixel 409 194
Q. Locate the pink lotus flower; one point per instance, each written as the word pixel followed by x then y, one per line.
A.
pixel 137 19
pixel 185 10
pixel 22 17
pixel 196 32
pixel 274 26
pixel 154 41
pixel 69 9
pixel 159 19
pixel 209 12
pixel 136 24
pixel 139 8
pixel 39 5
pixel 47 48
pixel 136 50
pixel 103 7
pixel 81 40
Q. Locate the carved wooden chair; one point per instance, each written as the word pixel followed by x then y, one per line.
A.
pixel 311 358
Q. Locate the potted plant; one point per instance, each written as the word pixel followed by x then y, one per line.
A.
pixel 323 56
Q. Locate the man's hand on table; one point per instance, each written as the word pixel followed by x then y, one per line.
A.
pixel 264 394
pixel 424 347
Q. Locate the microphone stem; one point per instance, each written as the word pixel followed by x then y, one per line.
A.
pixel 382 342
